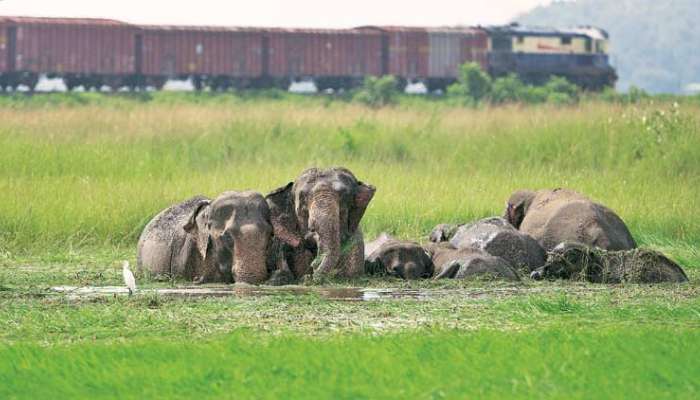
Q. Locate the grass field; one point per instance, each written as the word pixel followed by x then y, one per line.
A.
pixel 80 175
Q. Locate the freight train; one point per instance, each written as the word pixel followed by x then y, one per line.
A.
pixel 94 53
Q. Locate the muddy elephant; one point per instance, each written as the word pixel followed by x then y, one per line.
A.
pixel 577 261
pixel 555 216
pixel 399 258
pixel 222 240
pixel 317 217
pixel 469 263
pixel 497 237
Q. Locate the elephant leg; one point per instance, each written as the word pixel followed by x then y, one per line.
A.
pixel 208 273
pixel 302 260
pixel 282 275
pixel 450 271
pixel 352 262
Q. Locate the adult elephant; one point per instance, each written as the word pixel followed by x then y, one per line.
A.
pixel 224 240
pixel 317 217
pixel 555 216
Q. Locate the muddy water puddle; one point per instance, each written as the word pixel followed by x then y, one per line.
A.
pixel 337 294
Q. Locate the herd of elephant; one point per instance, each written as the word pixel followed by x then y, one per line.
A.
pixel 310 228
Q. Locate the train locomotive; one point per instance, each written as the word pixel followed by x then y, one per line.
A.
pixel 536 54
pixel 98 53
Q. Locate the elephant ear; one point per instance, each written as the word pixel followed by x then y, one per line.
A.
pixel 197 227
pixel 517 207
pixel 282 216
pixel 374 265
pixel 429 266
pixel 363 196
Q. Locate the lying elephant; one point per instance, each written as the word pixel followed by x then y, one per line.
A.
pixel 399 258
pixel 317 217
pixel 555 216
pixel 224 240
pixel 469 263
pixel 576 261
pixel 495 236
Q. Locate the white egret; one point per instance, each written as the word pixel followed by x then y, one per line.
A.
pixel 129 279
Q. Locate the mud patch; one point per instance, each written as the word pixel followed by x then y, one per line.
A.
pixel 334 294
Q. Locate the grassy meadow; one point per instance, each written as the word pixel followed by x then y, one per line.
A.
pixel 81 174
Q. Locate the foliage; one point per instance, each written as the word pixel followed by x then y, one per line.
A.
pixel 653 42
pixel 378 91
pixel 632 96
pixel 508 89
pixel 602 362
pixel 565 90
pixel 92 175
pixel 473 84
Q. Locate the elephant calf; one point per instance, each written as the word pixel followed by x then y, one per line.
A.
pixel 469 263
pixel 555 216
pixel 495 236
pixel 222 240
pixel 576 261
pixel 399 258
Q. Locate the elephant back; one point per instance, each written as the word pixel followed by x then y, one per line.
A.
pixel 499 238
pixel 558 216
pixel 163 238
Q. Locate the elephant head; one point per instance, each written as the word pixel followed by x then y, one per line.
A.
pixel 233 232
pixel 320 211
pixel 401 259
pixel 569 260
pixel 517 207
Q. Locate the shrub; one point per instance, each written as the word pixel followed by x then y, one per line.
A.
pixel 507 89
pixel 561 91
pixel 473 84
pixel 634 95
pixel 378 91
pixel 534 94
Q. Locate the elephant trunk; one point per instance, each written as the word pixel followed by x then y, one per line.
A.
pixel 324 221
pixel 250 255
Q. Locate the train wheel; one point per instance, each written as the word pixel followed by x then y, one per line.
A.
pixel 157 82
pixel 198 83
pixel 401 84
pixel 31 81
pixel 70 84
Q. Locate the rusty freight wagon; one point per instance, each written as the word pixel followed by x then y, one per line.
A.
pixel 88 52
pixel 332 58
pixel 215 57
pixel 431 55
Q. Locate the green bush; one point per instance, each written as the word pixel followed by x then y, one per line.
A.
pixel 378 91
pixel 633 96
pixel 473 84
pixel 534 94
pixel 562 86
pixel 508 89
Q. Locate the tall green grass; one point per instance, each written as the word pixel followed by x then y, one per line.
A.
pixel 553 363
pixel 92 173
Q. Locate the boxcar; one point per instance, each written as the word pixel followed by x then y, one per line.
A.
pixel 431 55
pixel 89 52
pixel 217 57
pixel 333 58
